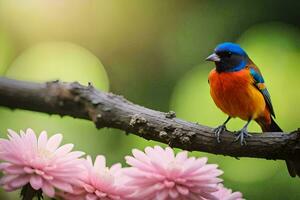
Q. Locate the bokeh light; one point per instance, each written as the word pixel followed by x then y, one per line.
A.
pixel 6 51
pixel 57 61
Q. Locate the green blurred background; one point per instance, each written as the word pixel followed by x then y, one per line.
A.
pixel 153 52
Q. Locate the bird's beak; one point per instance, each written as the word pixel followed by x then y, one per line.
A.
pixel 213 57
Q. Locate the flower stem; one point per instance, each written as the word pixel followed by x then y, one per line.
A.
pixel 28 193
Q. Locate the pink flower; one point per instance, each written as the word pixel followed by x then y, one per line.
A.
pixel 100 182
pixel 40 162
pixel 158 174
pixel 226 194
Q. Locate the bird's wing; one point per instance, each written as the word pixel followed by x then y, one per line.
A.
pixel 260 85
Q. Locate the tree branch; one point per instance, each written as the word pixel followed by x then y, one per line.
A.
pixel 110 110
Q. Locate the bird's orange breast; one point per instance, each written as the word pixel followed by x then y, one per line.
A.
pixel 235 94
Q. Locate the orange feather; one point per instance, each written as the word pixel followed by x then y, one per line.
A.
pixel 235 94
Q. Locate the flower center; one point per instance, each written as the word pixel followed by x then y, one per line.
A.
pixel 106 176
pixel 41 159
pixel 44 153
pixel 173 170
pixel 102 178
pixel 174 165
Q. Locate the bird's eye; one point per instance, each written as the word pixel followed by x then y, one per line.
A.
pixel 225 54
pixel 228 54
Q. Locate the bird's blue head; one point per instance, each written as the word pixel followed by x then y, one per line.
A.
pixel 229 57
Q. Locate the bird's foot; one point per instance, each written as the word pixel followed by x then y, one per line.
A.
pixel 242 135
pixel 218 132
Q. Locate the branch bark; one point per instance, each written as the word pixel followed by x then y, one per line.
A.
pixel 110 110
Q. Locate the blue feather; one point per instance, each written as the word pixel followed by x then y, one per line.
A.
pixel 231 47
pixel 260 80
pixel 257 76
pixel 233 57
pixel 242 65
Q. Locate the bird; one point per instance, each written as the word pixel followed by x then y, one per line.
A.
pixel 238 88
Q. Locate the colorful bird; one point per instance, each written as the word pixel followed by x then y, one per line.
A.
pixel 238 89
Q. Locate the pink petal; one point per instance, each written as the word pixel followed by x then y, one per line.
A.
pixel 7 178
pixel 8 188
pixel 23 134
pixel 173 193
pixel 192 165
pixel 89 188
pixel 169 184
pixel 62 186
pixel 158 149
pixel 91 197
pixel 42 140
pixel 14 169
pixel 115 168
pixel 31 139
pixel 182 190
pixel 235 196
pixel 169 153
pixel 181 156
pixel 196 197
pixel 146 192
pixel 209 196
pixel 137 173
pixel 74 154
pixel 159 174
pixel 19 182
pixel 28 170
pixel 13 134
pixel 100 163
pixel 12 158
pixel 158 166
pixel 4 165
pixel 141 156
pixel 162 195
pixel 36 182
pixel 100 194
pixel 54 142
pixel 48 189
pixel 156 153
pixel 47 177
pixel 63 150
pixel 138 164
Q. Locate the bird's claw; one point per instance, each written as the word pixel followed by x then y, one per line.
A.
pixel 218 131
pixel 242 135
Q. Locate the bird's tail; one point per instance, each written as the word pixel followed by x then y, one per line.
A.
pixel 292 165
pixel 271 127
